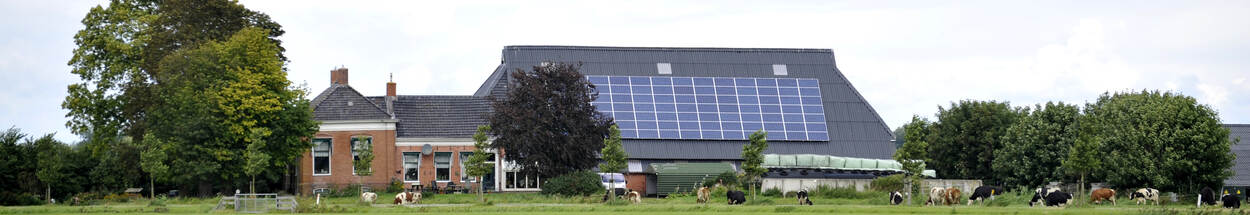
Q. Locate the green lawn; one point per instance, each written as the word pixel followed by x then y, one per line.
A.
pixel 529 203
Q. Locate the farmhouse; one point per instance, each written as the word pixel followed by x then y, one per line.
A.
pixel 673 105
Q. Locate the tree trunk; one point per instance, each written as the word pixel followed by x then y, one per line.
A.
pixel 286 178
pixel 480 184
pixel 1082 186
pixel 152 187
pixel 907 187
pixel 752 187
pixel 49 196
pixel 252 186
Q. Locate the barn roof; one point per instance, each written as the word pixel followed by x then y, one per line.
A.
pixel 1241 165
pixel 855 128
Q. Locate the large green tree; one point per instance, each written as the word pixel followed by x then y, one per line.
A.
pixel 52 163
pixel 914 153
pixel 1158 139
pixel 963 140
pixel 545 124
pixel 198 73
pixel 1035 146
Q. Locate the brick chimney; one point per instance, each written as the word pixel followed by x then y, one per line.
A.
pixel 338 76
pixel 390 89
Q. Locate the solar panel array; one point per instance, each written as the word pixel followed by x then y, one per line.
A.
pixel 713 108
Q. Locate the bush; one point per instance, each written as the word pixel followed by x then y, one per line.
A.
pixel 729 178
pixel 14 199
pixel 580 183
pixel 774 192
pixel 396 186
pixel 887 184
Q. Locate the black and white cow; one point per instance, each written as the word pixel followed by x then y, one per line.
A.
pixel 1144 195
pixel 896 198
pixel 802 196
pixel 1039 195
pixel 1058 198
pixel 1206 196
pixel 1231 201
pixel 736 197
pixel 984 192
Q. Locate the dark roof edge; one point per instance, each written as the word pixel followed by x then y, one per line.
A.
pixel 703 49
pixel 489 84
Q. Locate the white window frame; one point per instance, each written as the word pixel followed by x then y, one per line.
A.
pixel 403 162
pixel 664 68
pixel 450 161
pixel 329 158
pixel 780 69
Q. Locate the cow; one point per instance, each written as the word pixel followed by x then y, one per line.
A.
pixel 896 198
pixel 1206 196
pixel 368 197
pixel 935 196
pixel 984 192
pixel 704 193
pixel 404 198
pixel 802 197
pixel 633 197
pixel 1039 195
pixel 735 197
pixel 951 196
pixel 1144 195
pixel 1058 198
pixel 1231 201
pixel 1102 194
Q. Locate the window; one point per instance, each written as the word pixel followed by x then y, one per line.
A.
pixel 356 143
pixel 442 166
pixel 412 166
pixel 321 156
pixel 464 172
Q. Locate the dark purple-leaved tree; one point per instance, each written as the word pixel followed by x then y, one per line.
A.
pixel 545 124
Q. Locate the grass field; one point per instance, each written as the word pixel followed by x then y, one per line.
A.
pixel 529 203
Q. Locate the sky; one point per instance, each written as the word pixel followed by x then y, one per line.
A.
pixel 905 57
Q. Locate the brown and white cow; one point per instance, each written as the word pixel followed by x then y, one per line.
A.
pixel 704 194
pixel 951 196
pixel 1102 194
pixel 935 196
pixel 404 198
pixel 368 197
pixel 633 197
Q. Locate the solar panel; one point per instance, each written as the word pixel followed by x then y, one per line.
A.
pixel 716 108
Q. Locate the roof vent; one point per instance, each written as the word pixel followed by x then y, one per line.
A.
pixel 349 103
pixel 664 68
pixel 779 69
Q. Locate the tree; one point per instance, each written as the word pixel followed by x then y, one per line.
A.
pixel 477 167
pixel 1035 147
pixel 51 163
pixel 1083 158
pixel 257 160
pixel 363 164
pixel 1158 139
pixel 964 138
pixel 153 161
pixel 545 124
pixel 614 156
pixel 914 153
pixel 753 157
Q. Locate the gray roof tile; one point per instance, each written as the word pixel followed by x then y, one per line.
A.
pixel 440 116
pixel 341 102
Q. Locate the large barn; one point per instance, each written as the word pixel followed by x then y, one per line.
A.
pixel 674 105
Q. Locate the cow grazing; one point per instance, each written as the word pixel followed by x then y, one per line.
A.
pixel 1206 196
pixel 1039 195
pixel 735 197
pixel 984 192
pixel 1144 195
pixel 896 198
pixel 1058 198
pixel 404 198
pixel 368 197
pixel 704 193
pixel 633 197
pixel 935 196
pixel 1102 194
pixel 951 196
pixel 1231 201
pixel 802 197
